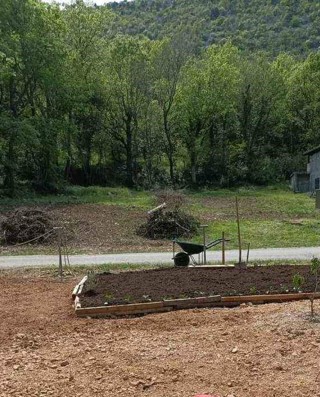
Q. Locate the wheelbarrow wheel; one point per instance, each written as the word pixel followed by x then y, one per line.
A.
pixel 181 259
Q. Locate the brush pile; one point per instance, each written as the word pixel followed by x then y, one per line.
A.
pixel 27 225
pixel 168 220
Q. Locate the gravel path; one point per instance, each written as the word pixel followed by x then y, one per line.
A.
pixel 296 253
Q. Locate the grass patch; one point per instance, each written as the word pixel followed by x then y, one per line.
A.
pixel 84 195
pixel 262 234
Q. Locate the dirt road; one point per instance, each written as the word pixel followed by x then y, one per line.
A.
pixel 296 253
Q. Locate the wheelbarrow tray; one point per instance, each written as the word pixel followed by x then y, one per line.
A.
pixel 191 248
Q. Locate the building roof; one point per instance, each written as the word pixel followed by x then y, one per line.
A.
pixel 312 151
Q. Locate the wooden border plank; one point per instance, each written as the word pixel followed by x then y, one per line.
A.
pixel 179 304
pixel 120 308
pixel 78 288
pixel 269 298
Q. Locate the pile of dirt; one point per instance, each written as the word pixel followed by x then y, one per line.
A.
pixel 27 225
pixel 164 224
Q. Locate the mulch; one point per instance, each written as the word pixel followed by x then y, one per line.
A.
pixel 174 283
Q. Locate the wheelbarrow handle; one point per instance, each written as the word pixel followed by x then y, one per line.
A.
pixel 216 242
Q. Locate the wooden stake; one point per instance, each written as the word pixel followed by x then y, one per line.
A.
pixel 312 308
pixel 248 253
pixel 204 244
pixel 60 254
pixel 239 234
pixel 223 250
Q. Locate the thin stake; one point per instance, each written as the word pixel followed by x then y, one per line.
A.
pixel 239 234
pixel 60 254
pixel 248 253
pixel 204 244
pixel 312 309
pixel 223 250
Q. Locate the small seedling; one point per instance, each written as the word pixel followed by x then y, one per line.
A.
pixel 284 288
pixel 297 282
pixel 128 298
pixel 253 290
pixel 315 270
pixel 108 296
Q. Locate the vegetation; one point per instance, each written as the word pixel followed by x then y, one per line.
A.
pixel 273 26
pixel 269 216
pixel 298 282
pixel 84 102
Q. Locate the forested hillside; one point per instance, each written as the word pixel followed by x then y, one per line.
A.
pixel 270 25
pixel 81 103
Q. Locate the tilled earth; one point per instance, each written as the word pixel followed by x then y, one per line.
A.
pixel 159 284
pixel 252 351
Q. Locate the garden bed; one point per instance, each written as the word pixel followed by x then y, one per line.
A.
pixel 172 288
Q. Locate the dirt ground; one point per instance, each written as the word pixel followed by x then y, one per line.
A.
pixel 98 228
pixel 173 283
pixel 252 351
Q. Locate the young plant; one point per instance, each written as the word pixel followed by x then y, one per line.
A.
pixel 315 270
pixel 108 296
pixel 253 290
pixel 297 282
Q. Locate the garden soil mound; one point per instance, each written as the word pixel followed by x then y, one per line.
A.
pixel 25 224
pixel 173 283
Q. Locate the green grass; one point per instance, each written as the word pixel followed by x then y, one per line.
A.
pixel 84 195
pixel 270 216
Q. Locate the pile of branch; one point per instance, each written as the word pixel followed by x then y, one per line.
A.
pixel 162 224
pixel 173 199
pixel 27 225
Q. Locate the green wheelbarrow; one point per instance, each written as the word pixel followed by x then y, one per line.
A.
pixel 189 249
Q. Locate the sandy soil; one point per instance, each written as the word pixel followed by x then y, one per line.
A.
pixel 265 351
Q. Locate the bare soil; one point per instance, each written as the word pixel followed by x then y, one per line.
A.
pixel 173 283
pixel 270 350
pixel 98 228
pixel 110 228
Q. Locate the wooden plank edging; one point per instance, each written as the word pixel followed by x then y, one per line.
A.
pixel 78 288
pixel 185 303
pixel 269 297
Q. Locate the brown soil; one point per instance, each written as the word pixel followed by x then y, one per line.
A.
pixel 106 228
pixel 270 350
pixel 99 228
pixel 159 284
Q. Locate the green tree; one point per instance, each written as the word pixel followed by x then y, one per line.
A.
pixel 129 86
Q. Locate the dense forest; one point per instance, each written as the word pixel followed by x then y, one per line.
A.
pixel 90 96
pixel 274 26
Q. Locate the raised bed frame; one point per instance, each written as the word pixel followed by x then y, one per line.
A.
pixel 180 304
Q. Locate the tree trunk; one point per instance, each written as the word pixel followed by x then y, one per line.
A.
pixel 9 168
pixel 129 160
pixel 170 149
